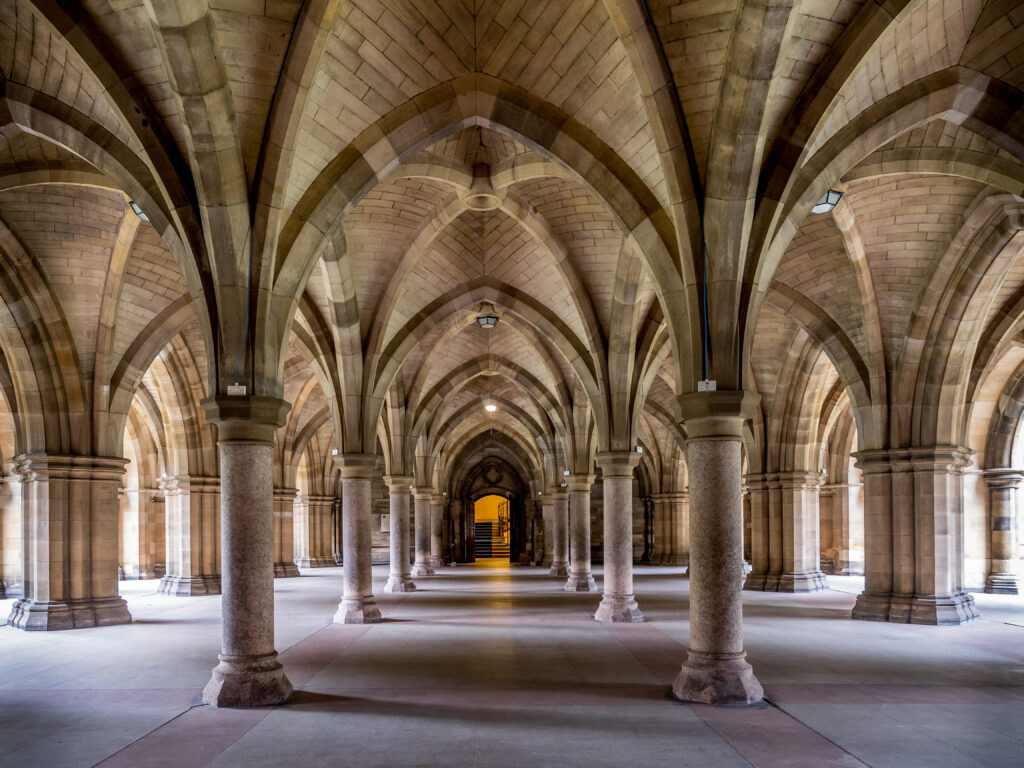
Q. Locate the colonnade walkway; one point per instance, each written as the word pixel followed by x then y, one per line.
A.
pixel 494 666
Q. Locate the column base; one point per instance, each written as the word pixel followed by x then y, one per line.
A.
pixel 422 569
pixel 400 584
pixel 935 610
pixel 756 582
pixel 33 616
pixel 581 582
pixel 675 560
pixel 304 562
pixel 719 680
pixel 247 681
pixel 286 570
pixel 619 608
pixel 358 611
pixel 871 607
pixel 187 586
pixel 436 562
pixel 1002 584
pixel 546 562
pixel 559 569
pixel 809 581
pixel 943 610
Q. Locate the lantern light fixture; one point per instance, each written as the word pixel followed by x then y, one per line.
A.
pixel 828 202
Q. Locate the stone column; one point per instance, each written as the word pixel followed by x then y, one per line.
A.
pixel 618 604
pixel 284 533
pixel 757 490
pixel 357 604
pixel 559 533
pixel 422 566
pixel 580 577
pixel 913 536
pixel 716 670
pixel 337 526
pixel 547 511
pixel 313 531
pixel 249 674
pixel 400 494
pixel 70 513
pixel 801 553
pixel 1003 485
pixel 873 603
pixel 436 530
pixel 192 523
pixel 671 528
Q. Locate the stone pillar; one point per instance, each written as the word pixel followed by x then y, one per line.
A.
pixel 357 604
pixel 547 511
pixel 913 536
pixel 618 604
pixel 192 523
pixel 337 526
pixel 249 674
pixel 757 491
pixel 1003 485
pixel 400 494
pixel 559 533
pixel 284 533
pixel 422 566
pixel 436 530
pixel 716 670
pixel 580 577
pixel 671 528
pixel 313 531
pixel 70 512
pixel 801 544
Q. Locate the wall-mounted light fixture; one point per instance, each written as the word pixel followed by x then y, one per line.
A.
pixel 137 210
pixel 487 319
pixel 828 202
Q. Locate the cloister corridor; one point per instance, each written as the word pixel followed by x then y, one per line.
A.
pixel 488 665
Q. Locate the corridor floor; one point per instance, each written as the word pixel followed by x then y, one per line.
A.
pixel 494 666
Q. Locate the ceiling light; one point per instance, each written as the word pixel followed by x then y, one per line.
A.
pixel 487 319
pixel 828 202
pixel 490 407
pixel 138 211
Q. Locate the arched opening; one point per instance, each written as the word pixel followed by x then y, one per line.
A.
pixel 491 527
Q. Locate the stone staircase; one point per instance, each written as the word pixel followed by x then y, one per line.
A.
pixel 489 543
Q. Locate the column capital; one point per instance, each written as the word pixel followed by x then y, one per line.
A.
pixel 245 419
pixel 717 415
pixel 356 465
pixel 1003 477
pixel 617 463
pixel 422 492
pixel 559 494
pixel 947 458
pixel 171 483
pixel 37 466
pixel 671 496
pixel 579 482
pixel 399 483
pixel 285 494
pixel 438 499
pixel 798 477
